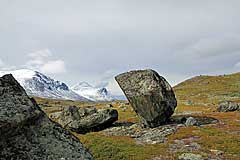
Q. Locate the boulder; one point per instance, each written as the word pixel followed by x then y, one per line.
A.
pixel 82 120
pixel 27 133
pixel 228 107
pixel 150 95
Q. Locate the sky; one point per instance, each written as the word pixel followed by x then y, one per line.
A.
pixel 93 40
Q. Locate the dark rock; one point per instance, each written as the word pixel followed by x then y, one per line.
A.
pixel 228 107
pixel 127 103
pixel 84 120
pixel 149 94
pixel 186 120
pixel 110 106
pixel 27 133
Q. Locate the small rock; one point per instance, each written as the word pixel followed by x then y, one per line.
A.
pixel 217 152
pixel 127 103
pixel 191 121
pixel 110 106
pixel 123 108
pixel 190 156
pixel 188 103
pixel 228 107
pixel 55 115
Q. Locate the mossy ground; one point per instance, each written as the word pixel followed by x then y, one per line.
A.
pixel 199 97
pixel 223 136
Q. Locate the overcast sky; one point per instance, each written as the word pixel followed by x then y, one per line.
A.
pixel 93 40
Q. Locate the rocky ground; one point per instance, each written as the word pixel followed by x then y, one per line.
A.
pixel 205 124
pixel 216 136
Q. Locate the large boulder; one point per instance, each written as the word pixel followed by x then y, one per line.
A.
pixel 27 133
pixel 82 120
pixel 228 107
pixel 150 95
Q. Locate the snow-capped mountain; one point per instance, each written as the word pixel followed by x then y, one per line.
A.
pixel 37 84
pixel 93 93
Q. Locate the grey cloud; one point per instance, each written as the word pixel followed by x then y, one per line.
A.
pixel 99 39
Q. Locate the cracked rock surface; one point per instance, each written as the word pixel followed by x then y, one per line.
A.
pixel 150 95
pixel 27 133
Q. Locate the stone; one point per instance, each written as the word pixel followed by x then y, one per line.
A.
pixel 190 156
pixel 228 107
pixel 26 131
pixel 110 106
pixel 83 120
pixel 217 152
pixel 127 103
pixel 55 115
pixel 150 95
pixel 191 121
pixel 141 135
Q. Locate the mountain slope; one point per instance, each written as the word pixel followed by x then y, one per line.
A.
pixel 39 85
pixel 209 90
pixel 93 93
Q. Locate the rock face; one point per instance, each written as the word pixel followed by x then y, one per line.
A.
pixel 27 133
pixel 228 107
pixel 150 95
pixel 83 120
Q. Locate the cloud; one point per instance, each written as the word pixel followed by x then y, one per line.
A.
pixel 237 65
pixel 53 67
pixel 215 46
pixel 99 39
pixel 41 54
pixel 5 67
pixel 1 63
pixel 42 61
pixel 8 68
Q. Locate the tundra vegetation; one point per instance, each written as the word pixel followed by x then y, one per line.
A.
pixel 198 97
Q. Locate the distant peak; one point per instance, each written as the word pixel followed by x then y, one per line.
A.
pixel 83 84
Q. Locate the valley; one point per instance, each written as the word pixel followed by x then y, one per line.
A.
pixel 198 97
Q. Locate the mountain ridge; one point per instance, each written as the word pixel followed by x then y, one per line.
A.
pixel 93 93
pixel 40 85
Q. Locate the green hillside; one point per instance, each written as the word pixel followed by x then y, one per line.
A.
pixel 209 90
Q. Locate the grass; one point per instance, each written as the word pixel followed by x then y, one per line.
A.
pixel 125 148
pixel 203 92
pixel 209 90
